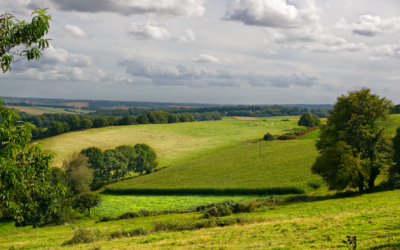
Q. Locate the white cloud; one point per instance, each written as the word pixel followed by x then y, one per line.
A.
pixel 314 39
pixel 393 78
pixel 186 8
pixel 385 52
pixel 204 58
pixel 187 36
pixel 54 56
pixel 148 31
pixel 273 13
pixel 83 16
pixel 75 31
pixel 368 25
pixel 159 73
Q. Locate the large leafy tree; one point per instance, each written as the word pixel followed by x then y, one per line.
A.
pixel 354 145
pixel 23 169
pixel 15 33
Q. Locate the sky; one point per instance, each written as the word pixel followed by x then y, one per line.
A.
pixel 211 51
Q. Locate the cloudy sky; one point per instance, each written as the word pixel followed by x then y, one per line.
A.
pixel 212 51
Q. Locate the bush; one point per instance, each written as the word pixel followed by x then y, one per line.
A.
pixel 314 184
pixel 309 120
pixel 86 201
pixel 269 137
pixel 84 235
pixel 128 215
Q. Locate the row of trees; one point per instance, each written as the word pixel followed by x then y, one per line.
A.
pixel 75 123
pixel 115 164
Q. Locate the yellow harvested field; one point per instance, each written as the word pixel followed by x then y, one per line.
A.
pixel 243 118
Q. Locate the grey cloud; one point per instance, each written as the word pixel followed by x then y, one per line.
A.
pixel 272 13
pixel 370 26
pixel 385 52
pixel 188 8
pixel 187 75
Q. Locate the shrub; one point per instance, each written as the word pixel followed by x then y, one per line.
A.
pixel 86 235
pixel 269 137
pixel 129 215
pixel 284 120
pixel 314 184
pixel 309 120
pixel 86 201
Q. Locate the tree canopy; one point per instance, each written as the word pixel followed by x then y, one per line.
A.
pixel 15 33
pixel 354 145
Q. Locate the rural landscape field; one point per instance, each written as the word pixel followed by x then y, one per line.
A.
pixel 194 124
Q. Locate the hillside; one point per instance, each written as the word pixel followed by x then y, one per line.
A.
pixel 173 143
pixel 283 164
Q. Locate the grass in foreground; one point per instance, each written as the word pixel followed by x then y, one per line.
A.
pixel 283 164
pixel 173 143
pixel 321 224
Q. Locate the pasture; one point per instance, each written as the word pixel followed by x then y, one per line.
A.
pixel 318 224
pixel 174 143
pixel 36 110
pixel 116 205
pixel 283 165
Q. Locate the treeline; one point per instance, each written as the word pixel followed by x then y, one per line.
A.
pixel 61 123
pixel 208 112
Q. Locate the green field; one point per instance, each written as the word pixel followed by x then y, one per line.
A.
pixel 313 135
pixel 279 118
pixel 116 205
pixel 319 224
pixel 174 143
pixel 282 164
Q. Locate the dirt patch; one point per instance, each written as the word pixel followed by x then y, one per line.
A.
pixel 27 110
pixel 243 118
pixel 78 104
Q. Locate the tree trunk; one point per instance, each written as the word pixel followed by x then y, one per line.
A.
pixel 90 212
pixel 371 181
pixel 361 183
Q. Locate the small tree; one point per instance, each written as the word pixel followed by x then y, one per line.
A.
pixel 78 175
pixel 269 137
pixel 86 201
pixel 86 123
pixel 142 119
pixel 74 123
pixel 145 159
pixel 395 169
pixel 309 120
pixel 128 120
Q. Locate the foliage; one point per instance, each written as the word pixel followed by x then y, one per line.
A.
pixel 86 201
pixel 14 33
pixel 269 137
pixel 145 160
pixel 354 145
pixel 142 119
pixel 75 123
pixel 78 175
pixel 23 169
pixel 85 235
pixel 396 153
pixel 309 120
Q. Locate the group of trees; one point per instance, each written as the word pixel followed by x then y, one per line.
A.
pixel 115 164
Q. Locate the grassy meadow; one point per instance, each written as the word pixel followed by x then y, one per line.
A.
pixel 319 224
pixel 174 143
pixel 116 205
pixel 283 164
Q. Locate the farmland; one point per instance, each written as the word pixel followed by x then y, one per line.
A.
pixel 318 224
pixel 36 110
pixel 282 164
pixel 174 143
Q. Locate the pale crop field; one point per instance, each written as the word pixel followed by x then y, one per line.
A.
pixel 244 118
pixel 173 143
